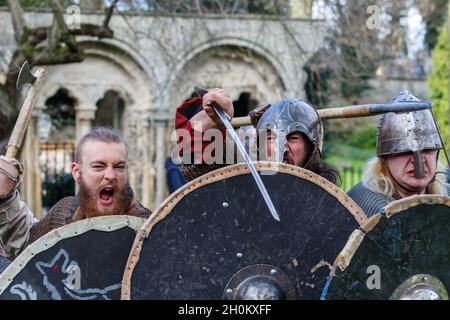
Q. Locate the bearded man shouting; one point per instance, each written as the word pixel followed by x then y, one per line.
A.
pixel 101 172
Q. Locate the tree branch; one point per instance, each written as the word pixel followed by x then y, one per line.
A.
pixel 17 16
pixel 109 14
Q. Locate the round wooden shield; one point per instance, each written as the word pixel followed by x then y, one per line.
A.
pixel 406 246
pixel 83 260
pixel 215 236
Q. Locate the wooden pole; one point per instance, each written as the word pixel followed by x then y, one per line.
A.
pixel 15 141
pixel 364 110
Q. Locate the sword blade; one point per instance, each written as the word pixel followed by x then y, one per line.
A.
pixel 262 188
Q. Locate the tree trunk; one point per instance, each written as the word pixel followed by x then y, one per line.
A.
pixel 17 19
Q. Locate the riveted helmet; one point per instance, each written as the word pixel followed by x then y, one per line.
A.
pixel 288 116
pixel 408 132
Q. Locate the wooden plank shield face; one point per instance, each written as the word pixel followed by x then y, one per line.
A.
pixel 215 238
pixel 405 256
pixel 83 260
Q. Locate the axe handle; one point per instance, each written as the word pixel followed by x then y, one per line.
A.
pixel 15 141
pixel 364 110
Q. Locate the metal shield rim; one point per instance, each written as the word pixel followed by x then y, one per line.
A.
pixel 103 223
pixel 395 207
pixel 401 205
pixel 226 172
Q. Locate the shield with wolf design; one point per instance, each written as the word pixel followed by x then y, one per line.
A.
pixel 83 260
pixel 404 253
pixel 216 239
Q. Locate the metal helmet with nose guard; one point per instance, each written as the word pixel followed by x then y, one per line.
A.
pixel 288 116
pixel 408 132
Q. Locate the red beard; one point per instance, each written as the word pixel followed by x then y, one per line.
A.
pixel 88 206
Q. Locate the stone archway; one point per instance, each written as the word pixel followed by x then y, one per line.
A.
pixel 247 71
pixel 238 69
pixel 110 110
pixel 107 72
pixel 56 134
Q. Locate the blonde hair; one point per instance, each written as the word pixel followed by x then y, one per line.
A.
pixel 377 178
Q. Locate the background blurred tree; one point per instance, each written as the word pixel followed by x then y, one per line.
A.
pixel 198 7
pixel 434 14
pixel 358 40
pixel 438 84
pixel 47 45
pixel 56 43
pixel 354 49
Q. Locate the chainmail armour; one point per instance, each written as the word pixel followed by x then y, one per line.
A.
pixel 370 202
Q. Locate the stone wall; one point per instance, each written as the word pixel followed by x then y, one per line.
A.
pixel 153 63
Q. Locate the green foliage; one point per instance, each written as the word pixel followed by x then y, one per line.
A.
pixel 352 143
pixel 349 149
pixel 364 138
pixel 438 84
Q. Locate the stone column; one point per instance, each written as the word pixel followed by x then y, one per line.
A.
pixel 87 94
pixel 144 159
pixel 30 187
pixel 159 119
pixel 84 116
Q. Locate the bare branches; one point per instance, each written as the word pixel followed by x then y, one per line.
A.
pixel 17 18
pixel 201 7
pixel 58 15
pixel 109 13
pixel 354 49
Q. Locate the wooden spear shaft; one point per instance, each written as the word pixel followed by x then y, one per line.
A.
pixel 357 111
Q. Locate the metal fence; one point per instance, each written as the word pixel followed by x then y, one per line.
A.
pixel 55 161
pixel 350 176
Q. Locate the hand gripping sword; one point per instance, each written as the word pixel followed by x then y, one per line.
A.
pixel 226 122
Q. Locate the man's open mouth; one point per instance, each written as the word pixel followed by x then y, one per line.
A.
pixel 287 160
pixel 106 196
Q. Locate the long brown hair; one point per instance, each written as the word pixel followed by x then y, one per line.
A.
pixel 315 164
pixel 377 178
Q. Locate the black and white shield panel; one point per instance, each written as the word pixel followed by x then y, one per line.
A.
pixel 84 260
